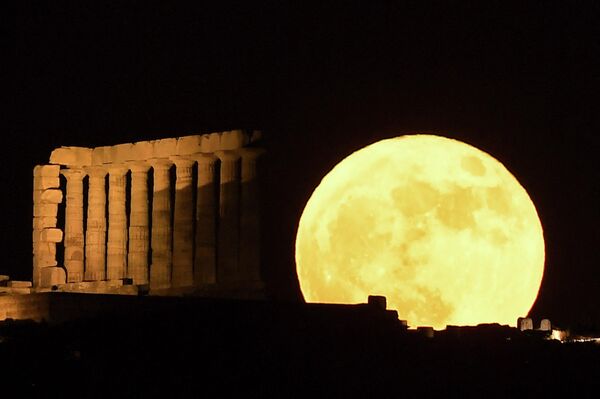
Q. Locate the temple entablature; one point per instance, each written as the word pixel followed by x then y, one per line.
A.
pixel 161 148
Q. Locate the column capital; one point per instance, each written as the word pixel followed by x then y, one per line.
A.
pixel 77 173
pixel 95 171
pixel 227 155
pixel 204 158
pixel 138 166
pixel 160 163
pixel 182 162
pixel 117 169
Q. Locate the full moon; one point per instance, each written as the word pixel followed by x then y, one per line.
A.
pixel 442 229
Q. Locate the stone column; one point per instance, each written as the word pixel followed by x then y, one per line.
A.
pixel 137 258
pixel 205 259
pixel 45 235
pixel 74 239
pixel 183 225
pixel 228 231
pixel 95 235
pixel 116 262
pixel 160 269
pixel 250 216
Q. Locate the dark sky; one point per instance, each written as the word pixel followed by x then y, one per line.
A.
pixel 321 80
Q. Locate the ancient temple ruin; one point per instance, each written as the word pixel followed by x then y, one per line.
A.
pixel 165 216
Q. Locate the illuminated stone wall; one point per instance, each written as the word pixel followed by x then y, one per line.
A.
pixel 20 307
pixel 169 216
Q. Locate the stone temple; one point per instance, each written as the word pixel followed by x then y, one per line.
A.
pixel 164 217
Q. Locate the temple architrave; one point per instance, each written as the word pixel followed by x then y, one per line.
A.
pixel 165 217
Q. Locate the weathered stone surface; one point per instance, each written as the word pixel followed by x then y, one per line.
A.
pixel 95 248
pixel 49 196
pixel 18 284
pixel 20 291
pixel 210 142
pixel 165 148
pixel 4 277
pixel 46 170
pixel 121 153
pixel 160 270
pixel 94 285
pixel 187 145
pixel 142 150
pixel 44 221
pixel 47 235
pixel 44 249
pixel 139 239
pixel 52 235
pixel 116 261
pixel 43 262
pixel 74 239
pixel 71 156
pixel 101 155
pixel 100 287
pixel 53 276
pixel 183 227
pixel 45 210
pixel 233 140
pixel 45 182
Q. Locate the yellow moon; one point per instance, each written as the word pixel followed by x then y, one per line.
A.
pixel 442 229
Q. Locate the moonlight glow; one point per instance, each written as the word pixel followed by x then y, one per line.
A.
pixel 440 228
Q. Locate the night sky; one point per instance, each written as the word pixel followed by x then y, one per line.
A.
pixel 321 81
